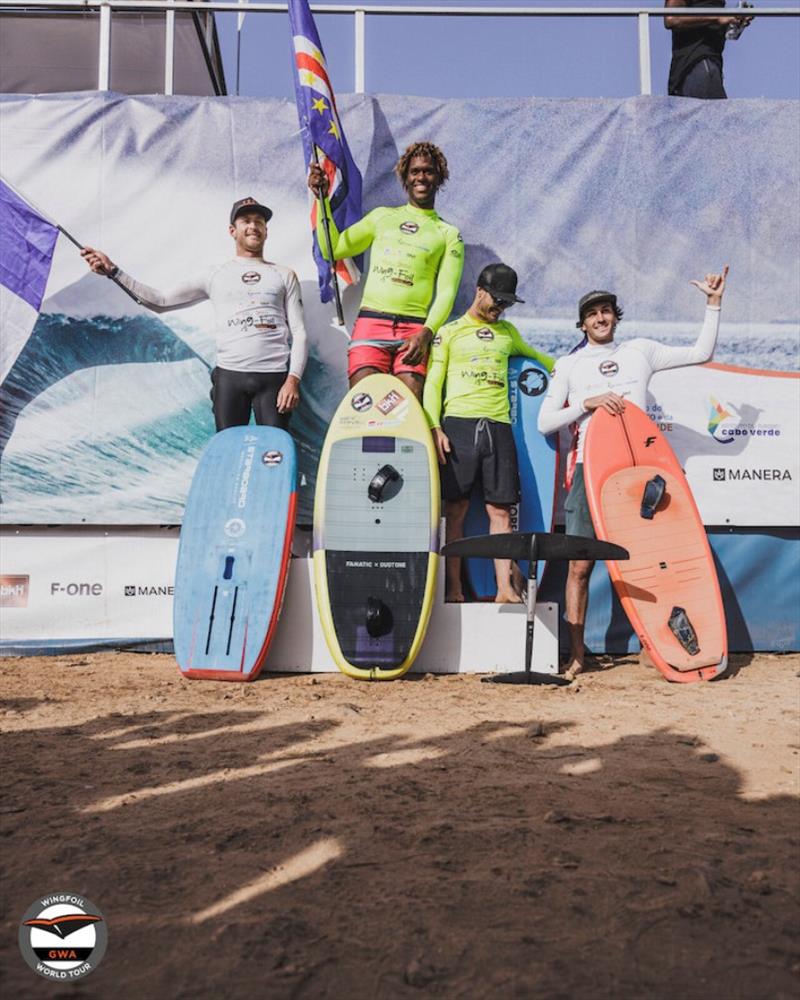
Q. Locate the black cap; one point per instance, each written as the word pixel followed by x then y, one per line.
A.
pixel 591 298
pixel 249 205
pixel 500 280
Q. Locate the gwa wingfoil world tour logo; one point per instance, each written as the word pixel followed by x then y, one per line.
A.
pixel 63 936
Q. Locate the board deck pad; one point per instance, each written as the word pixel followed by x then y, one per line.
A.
pixel 378 554
pixel 234 553
pixel 537 458
pixel 671 564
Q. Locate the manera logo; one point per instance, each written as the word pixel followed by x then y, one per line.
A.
pixel 145 590
pixel 752 475
pixel 63 936
pixel 14 591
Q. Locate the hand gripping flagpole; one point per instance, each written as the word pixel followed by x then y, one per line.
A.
pixel 326 227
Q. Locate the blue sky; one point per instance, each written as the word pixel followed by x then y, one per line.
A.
pixel 579 56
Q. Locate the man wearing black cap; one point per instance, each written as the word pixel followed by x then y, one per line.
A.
pixel 260 333
pixel 469 365
pixel 600 374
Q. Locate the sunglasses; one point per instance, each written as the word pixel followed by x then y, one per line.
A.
pixel 500 303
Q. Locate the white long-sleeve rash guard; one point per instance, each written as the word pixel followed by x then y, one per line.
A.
pixel 258 310
pixel 623 368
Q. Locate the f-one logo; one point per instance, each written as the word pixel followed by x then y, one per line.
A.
pixel 76 589
pixel 484 334
pixel 272 457
pixel 63 937
pixel 608 368
pixel 649 440
pixel 409 227
pixel 14 591
pixel 251 277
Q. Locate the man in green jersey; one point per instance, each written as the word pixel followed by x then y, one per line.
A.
pixel 414 273
pixel 469 364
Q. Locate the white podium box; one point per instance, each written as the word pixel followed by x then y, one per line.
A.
pixel 64 588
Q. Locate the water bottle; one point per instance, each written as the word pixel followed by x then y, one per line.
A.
pixel 733 31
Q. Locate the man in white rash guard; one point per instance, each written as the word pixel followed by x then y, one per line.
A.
pixel 260 333
pixel 601 374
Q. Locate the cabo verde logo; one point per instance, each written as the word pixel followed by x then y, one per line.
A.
pixel 608 368
pixel 717 416
pixel 272 457
pixel 63 936
pixel 408 227
pixel 251 277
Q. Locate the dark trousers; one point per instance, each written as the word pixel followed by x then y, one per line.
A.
pixel 704 80
pixel 234 394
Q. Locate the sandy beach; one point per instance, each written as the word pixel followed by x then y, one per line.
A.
pixel 316 837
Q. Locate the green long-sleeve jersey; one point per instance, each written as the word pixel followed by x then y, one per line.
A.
pixel 415 264
pixel 469 366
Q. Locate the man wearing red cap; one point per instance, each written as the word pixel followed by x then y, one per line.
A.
pixel 260 333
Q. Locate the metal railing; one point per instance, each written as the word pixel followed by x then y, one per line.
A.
pixel 359 13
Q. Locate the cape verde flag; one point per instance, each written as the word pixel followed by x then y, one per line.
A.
pixel 321 128
pixel 27 244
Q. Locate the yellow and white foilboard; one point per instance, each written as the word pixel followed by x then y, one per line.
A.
pixel 376 530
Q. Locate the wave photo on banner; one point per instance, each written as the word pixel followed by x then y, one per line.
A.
pixel 106 407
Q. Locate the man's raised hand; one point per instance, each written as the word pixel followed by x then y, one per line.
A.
pixel 712 286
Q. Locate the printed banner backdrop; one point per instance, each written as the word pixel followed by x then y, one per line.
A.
pixel 737 436
pixel 106 409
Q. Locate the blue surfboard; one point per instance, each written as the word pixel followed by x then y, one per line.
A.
pixel 537 457
pixel 234 552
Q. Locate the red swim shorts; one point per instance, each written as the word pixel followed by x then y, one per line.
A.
pixel 372 326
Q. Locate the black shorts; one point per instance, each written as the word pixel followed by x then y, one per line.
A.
pixel 234 394
pixel 481 451
pixel 576 507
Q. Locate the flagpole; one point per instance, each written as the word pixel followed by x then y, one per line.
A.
pixel 239 24
pixel 326 227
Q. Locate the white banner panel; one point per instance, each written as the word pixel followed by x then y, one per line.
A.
pixel 60 585
pixel 736 433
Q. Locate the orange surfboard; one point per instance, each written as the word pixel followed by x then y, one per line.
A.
pixel 640 499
